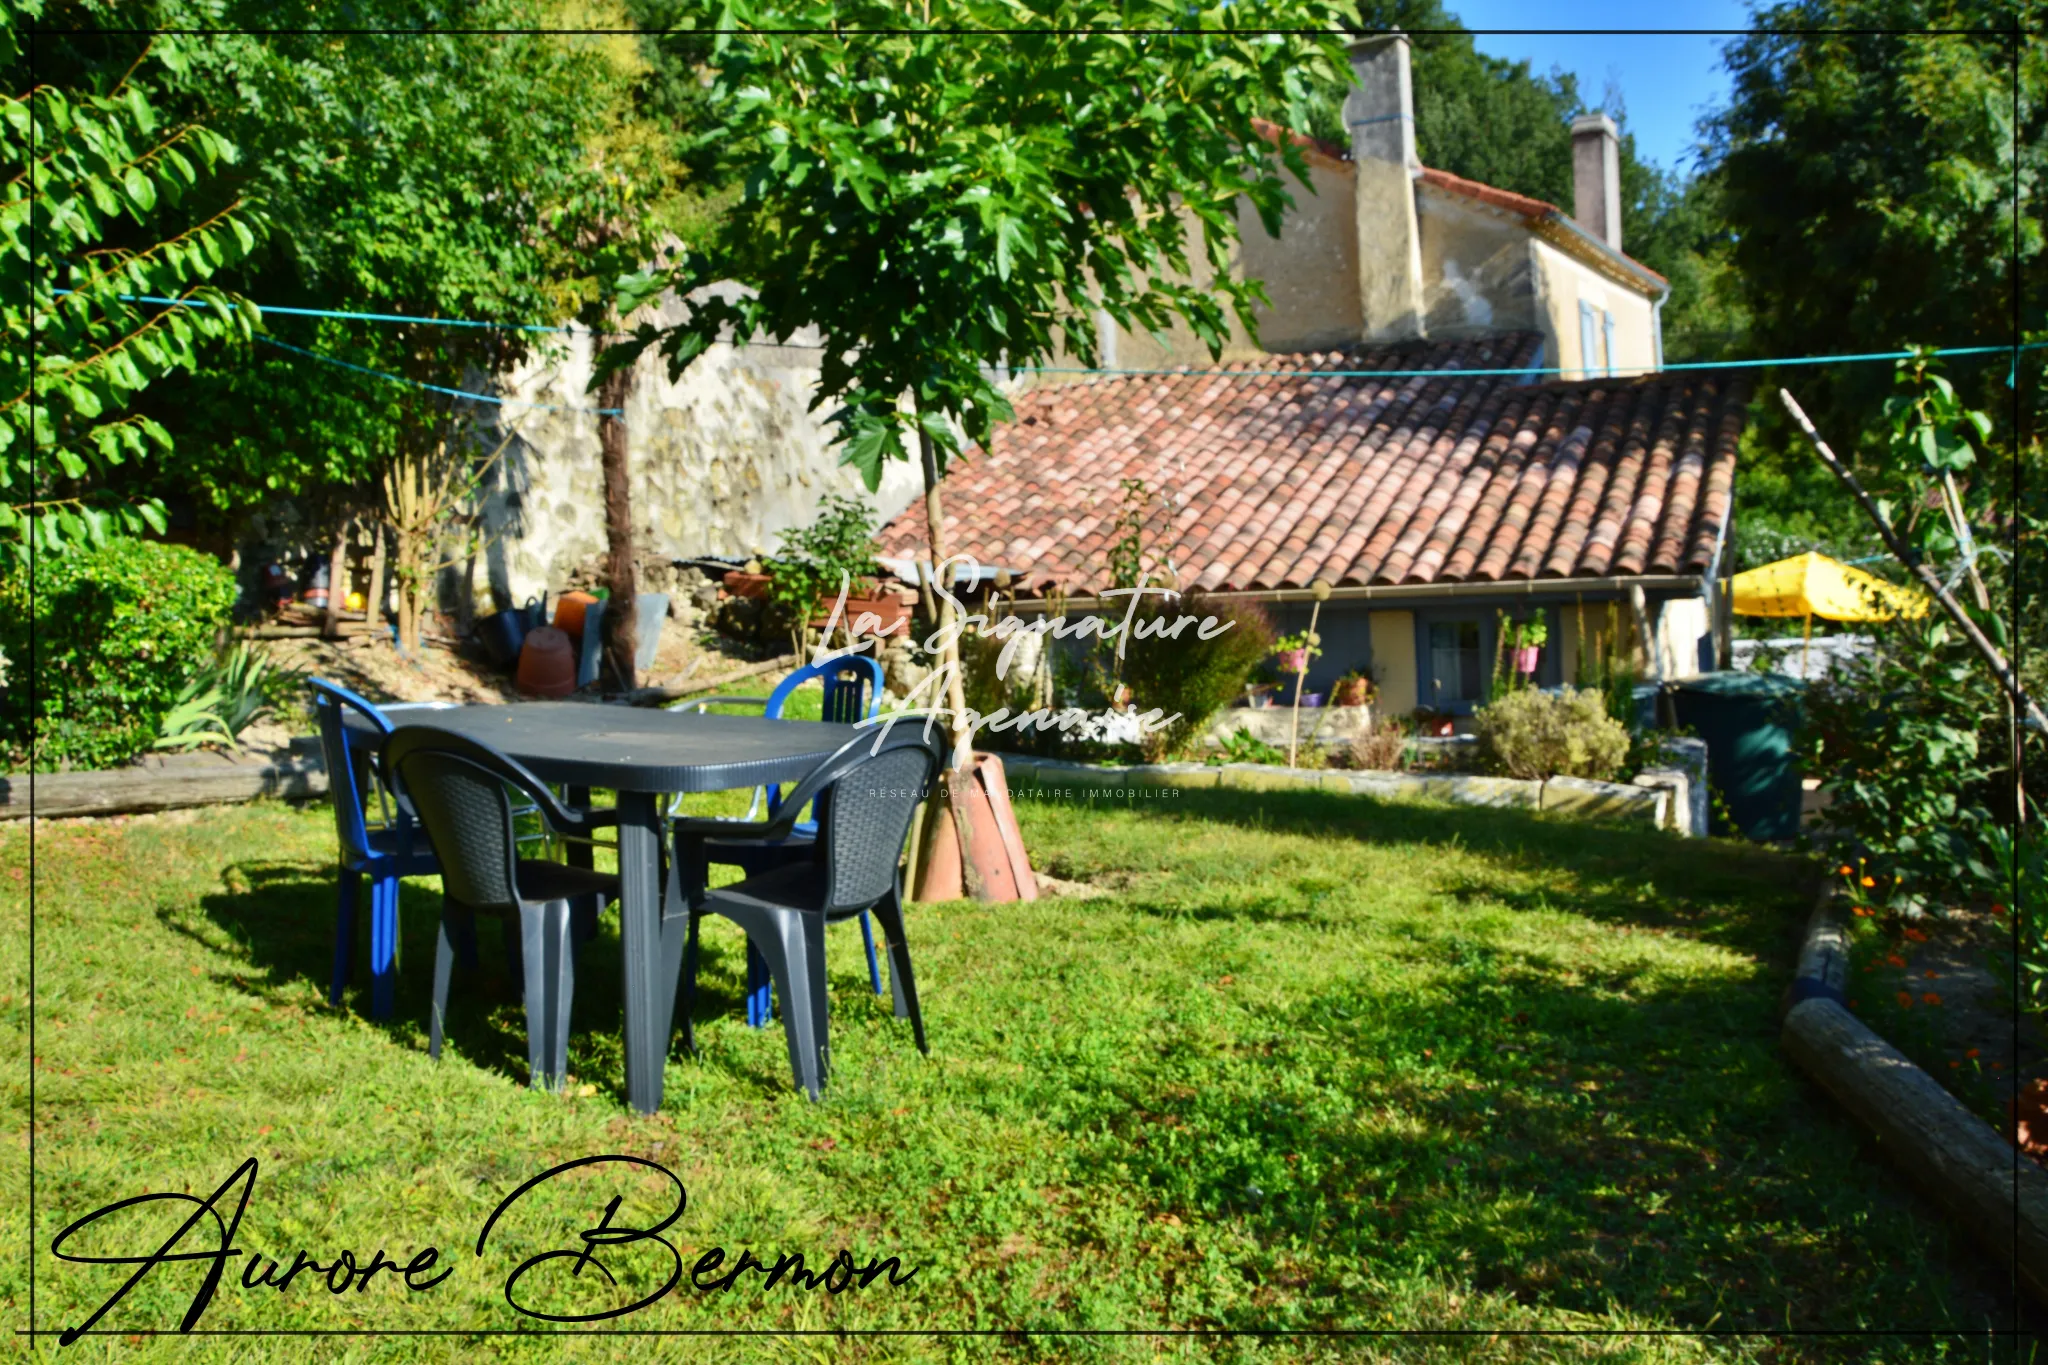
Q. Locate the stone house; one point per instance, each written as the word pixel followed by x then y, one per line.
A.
pixel 1461 418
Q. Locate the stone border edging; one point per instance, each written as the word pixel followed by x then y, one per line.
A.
pixel 1570 795
pixel 1960 1161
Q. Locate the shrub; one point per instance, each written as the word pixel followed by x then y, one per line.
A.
pixel 1384 748
pixel 1185 674
pixel 114 632
pixel 1542 735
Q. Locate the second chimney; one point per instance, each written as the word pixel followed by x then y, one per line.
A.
pixel 1596 177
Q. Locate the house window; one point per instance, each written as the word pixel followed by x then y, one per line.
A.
pixel 1456 660
pixel 1607 340
pixel 1587 340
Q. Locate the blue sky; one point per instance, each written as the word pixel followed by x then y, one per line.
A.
pixel 1667 80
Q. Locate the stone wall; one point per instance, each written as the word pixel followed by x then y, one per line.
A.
pixel 723 460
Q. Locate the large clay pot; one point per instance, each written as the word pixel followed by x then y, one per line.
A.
pixel 886 608
pixel 742 584
pixel 1353 692
pixel 547 664
pixel 998 852
pixel 569 609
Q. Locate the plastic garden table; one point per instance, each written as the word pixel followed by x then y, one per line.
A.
pixel 643 755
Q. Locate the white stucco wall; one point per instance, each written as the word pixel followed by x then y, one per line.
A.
pixel 1561 281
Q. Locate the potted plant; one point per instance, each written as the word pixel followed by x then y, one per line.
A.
pixel 1292 653
pixel 1353 689
pixel 1529 637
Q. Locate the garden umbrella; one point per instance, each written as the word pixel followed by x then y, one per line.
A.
pixel 1811 585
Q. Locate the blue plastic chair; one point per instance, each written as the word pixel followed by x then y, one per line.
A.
pixel 383 853
pixel 853 692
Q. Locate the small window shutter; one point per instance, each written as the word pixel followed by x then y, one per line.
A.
pixel 1607 338
pixel 1586 343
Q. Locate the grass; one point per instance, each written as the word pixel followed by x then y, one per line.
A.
pixel 1315 1063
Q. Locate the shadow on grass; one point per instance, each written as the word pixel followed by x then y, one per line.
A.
pixel 282 914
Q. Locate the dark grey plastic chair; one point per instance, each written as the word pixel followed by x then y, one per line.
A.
pixel 866 799
pixel 460 790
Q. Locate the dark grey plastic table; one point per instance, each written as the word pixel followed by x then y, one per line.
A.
pixel 642 755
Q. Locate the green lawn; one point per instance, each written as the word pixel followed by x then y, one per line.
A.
pixel 1317 1062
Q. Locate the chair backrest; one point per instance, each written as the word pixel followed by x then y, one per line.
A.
pixel 867 793
pixel 331 703
pixel 853 688
pixel 458 789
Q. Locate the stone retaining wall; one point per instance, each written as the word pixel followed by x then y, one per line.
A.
pixel 1652 806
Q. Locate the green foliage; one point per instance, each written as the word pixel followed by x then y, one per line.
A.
pixel 116 630
pixel 114 201
pixel 1182 673
pixel 934 207
pixel 220 701
pixel 1242 746
pixel 1541 735
pixel 1867 172
pixel 1913 739
pixel 839 545
pixel 1605 665
pixel 2020 867
pixel 402 171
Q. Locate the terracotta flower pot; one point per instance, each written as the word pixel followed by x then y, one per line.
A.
pixel 741 584
pixel 547 664
pixel 569 610
pixel 1353 692
pixel 886 608
pixel 998 851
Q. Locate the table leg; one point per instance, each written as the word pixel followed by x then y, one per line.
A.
pixel 578 855
pixel 651 949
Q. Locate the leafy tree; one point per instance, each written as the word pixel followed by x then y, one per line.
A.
pixel 1867 181
pixel 406 171
pixel 110 201
pixel 933 207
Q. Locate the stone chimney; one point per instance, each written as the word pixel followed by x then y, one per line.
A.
pixel 1596 177
pixel 1380 111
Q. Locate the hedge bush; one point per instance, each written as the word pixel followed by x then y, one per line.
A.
pixel 1541 735
pixel 1185 674
pixel 114 631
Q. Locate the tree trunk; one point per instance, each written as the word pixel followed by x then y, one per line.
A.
pixel 621 617
pixel 961 824
pixel 337 581
pixel 373 603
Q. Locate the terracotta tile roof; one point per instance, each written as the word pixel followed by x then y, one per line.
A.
pixel 1271 481
pixel 1487 194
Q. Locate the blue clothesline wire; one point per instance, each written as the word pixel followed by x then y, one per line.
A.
pixel 436 388
pixel 1523 372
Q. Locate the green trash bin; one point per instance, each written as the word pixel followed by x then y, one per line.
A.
pixel 1747 720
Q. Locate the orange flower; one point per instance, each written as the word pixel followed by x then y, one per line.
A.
pixel 1864 911
pixel 1845 869
pixel 1917 935
pixel 1932 976
pixel 1868 881
pixel 1929 997
pixel 1895 959
pixel 1905 1000
pixel 1971 1053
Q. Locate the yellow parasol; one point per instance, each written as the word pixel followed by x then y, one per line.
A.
pixel 1814 585
pixel 1811 585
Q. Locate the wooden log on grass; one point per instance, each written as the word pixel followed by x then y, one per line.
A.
pixel 1977 1177
pixel 131 791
